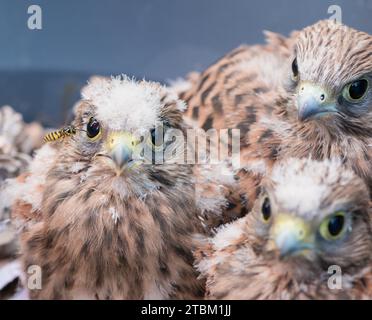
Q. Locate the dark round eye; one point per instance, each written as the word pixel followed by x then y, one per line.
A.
pixel 356 90
pixel 93 128
pixel 266 209
pixel 295 69
pixel 335 225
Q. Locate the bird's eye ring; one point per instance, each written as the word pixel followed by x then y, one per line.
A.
pixel 356 90
pixel 333 227
pixel 266 210
pixel 94 130
pixel 295 74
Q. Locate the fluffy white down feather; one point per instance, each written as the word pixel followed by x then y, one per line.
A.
pixel 216 177
pixel 224 236
pixel 29 191
pixel 299 188
pixel 127 104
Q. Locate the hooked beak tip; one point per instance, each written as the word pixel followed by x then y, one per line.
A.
pixel 291 235
pixel 120 147
pixel 313 101
pixel 121 155
pixel 308 110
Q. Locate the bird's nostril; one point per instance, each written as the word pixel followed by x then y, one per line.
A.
pixel 322 97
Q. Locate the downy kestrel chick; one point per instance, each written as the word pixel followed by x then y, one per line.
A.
pixel 310 220
pixel 111 223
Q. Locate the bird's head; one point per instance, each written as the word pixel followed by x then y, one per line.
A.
pixel 331 76
pixel 315 213
pixel 128 131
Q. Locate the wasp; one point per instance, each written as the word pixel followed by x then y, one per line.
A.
pixel 60 134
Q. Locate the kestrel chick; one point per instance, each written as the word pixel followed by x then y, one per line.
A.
pixel 326 108
pixel 111 225
pixel 310 216
pixel 328 112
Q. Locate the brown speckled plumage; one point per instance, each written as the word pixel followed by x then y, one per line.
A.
pixel 227 90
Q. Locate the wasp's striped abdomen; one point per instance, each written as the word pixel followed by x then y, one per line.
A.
pixel 53 136
pixel 59 134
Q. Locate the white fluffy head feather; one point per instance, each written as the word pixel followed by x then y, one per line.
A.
pixel 301 185
pixel 125 103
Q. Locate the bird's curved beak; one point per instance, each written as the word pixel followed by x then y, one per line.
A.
pixel 121 146
pixel 291 235
pixel 313 101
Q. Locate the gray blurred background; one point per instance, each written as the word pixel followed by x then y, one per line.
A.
pixel 41 71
